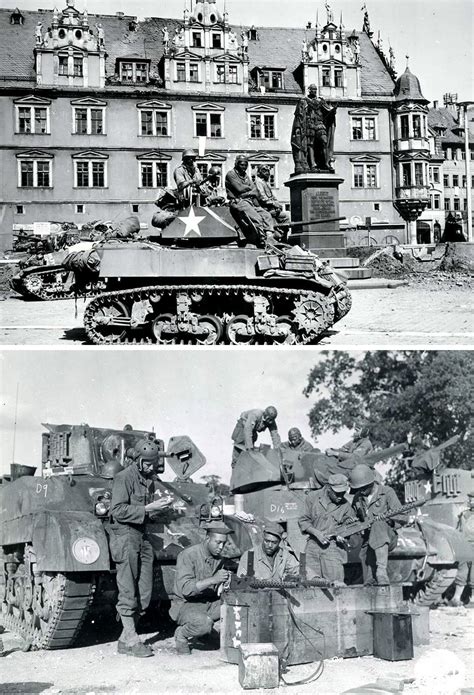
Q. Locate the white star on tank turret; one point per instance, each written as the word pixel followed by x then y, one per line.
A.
pixel 191 222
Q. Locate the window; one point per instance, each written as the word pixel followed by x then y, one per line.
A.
pixel 135 207
pixel 404 127
pixel 455 180
pixel 63 65
pixel 449 153
pixel 133 72
pixel 88 120
pixel 193 72
pixel 272 79
pixel 376 207
pixel 436 201
pixel 271 180
pixel 181 72
pixel 447 204
pixel 365 176
pixel 78 66
pixel 419 174
pixel 153 174
pixel 434 174
pixel 216 40
pixel 464 182
pixel 34 173
pixel 196 39
pixel 465 203
pixel 154 122
pixel 326 77
pixel 472 181
pixel 416 126
pixel 262 126
pixel 80 209
pixel 20 209
pixel 205 166
pixel 208 124
pixel 220 74
pixel 33 119
pixel 457 203
pixel 406 174
pixel 338 77
pixel 364 127
pixel 445 180
pixel 90 174
pixel 233 74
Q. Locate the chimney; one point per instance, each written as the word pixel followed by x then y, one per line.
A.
pixel 120 15
pixel 435 104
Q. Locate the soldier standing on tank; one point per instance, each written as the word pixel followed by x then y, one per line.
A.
pixel 371 500
pixel 248 427
pixel 324 509
pixel 296 442
pixel 187 178
pixel 255 222
pixel 271 559
pixel 199 574
pixel 132 505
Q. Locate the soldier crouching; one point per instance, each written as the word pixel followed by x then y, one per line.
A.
pixel 200 571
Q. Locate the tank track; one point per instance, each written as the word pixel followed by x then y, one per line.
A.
pixel 43 284
pixel 170 314
pixel 435 587
pixel 72 597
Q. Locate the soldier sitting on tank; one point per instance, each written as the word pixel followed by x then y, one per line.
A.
pixel 271 559
pixel 132 506
pixel 248 427
pixel 296 442
pixel 255 223
pixel 187 178
pixel 210 193
pixel 200 572
pixel 359 446
pixel 326 508
pixel 371 500
pixel 268 201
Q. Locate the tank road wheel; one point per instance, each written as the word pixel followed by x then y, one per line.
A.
pixel 212 330
pixel 164 329
pixel 286 331
pixel 33 284
pixel 238 330
pixel 107 320
pixel 435 587
pixel 313 316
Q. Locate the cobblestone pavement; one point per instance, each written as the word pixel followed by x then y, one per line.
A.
pixel 412 315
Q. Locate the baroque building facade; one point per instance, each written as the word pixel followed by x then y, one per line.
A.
pixel 98 109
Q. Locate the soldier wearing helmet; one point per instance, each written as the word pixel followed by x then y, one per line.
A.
pixel 132 506
pixel 187 178
pixel 248 427
pixel 371 500
pixel 324 509
pixel 255 222
pixel 296 442
pixel 210 192
pixel 356 448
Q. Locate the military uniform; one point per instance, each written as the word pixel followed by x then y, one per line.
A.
pixel 381 534
pixel 130 548
pixel 245 433
pixel 254 221
pixel 303 445
pixel 323 514
pixel 184 175
pixel 283 563
pixel 195 611
pixel 268 201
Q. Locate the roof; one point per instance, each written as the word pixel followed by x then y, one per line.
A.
pixel 407 88
pixel 276 46
pixel 445 118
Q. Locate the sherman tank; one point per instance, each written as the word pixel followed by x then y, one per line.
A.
pixel 273 484
pixel 54 549
pixel 197 281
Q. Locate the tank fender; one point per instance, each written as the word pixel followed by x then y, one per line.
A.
pixel 445 544
pixel 70 542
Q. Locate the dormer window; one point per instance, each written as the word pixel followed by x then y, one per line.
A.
pixel 272 80
pixel 133 71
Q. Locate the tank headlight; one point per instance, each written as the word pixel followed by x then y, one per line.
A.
pixel 102 507
pixel 86 550
pixel 216 512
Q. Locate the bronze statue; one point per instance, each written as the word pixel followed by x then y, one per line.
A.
pixel 312 135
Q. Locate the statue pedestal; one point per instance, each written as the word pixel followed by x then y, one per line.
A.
pixel 316 197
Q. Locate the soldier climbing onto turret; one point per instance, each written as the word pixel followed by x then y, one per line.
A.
pixel 296 442
pixel 255 222
pixel 324 509
pixel 273 558
pixel 248 427
pixel 371 500
pixel 187 178
pixel 132 506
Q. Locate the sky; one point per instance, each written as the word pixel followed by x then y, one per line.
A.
pixel 196 392
pixel 436 34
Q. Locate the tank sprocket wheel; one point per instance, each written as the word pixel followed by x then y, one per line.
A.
pixel 435 587
pixel 313 316
pixel 237 330
pixel 111 320
pixel 33 284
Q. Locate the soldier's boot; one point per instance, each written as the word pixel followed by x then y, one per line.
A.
pixel 456 599
pixel 381 556
pixel 181 642
pixel 129 642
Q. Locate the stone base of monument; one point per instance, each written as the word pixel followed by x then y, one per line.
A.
pixel 316 197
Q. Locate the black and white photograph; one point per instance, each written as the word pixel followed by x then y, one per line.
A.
pixel 236 347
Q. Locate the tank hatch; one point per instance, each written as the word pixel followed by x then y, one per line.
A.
pixel 199 226
pixel 256 469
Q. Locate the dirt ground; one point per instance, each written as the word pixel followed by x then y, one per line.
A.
pixel 96 668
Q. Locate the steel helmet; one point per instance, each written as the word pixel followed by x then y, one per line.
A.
pixel 189 153
pixel 146 450
pixel 361 476
pixel 214 171
pixel 270 413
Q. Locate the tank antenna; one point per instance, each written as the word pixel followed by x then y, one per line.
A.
pixel 14 425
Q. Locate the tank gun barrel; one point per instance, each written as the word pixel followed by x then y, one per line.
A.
pixel 292 225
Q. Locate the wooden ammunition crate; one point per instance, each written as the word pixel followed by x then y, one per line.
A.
pixel 300 263
pixel 305 624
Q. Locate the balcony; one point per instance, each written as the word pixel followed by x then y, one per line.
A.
pixel 412 193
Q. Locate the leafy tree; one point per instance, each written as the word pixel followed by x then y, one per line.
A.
pixel 425 393
pixel 213 483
